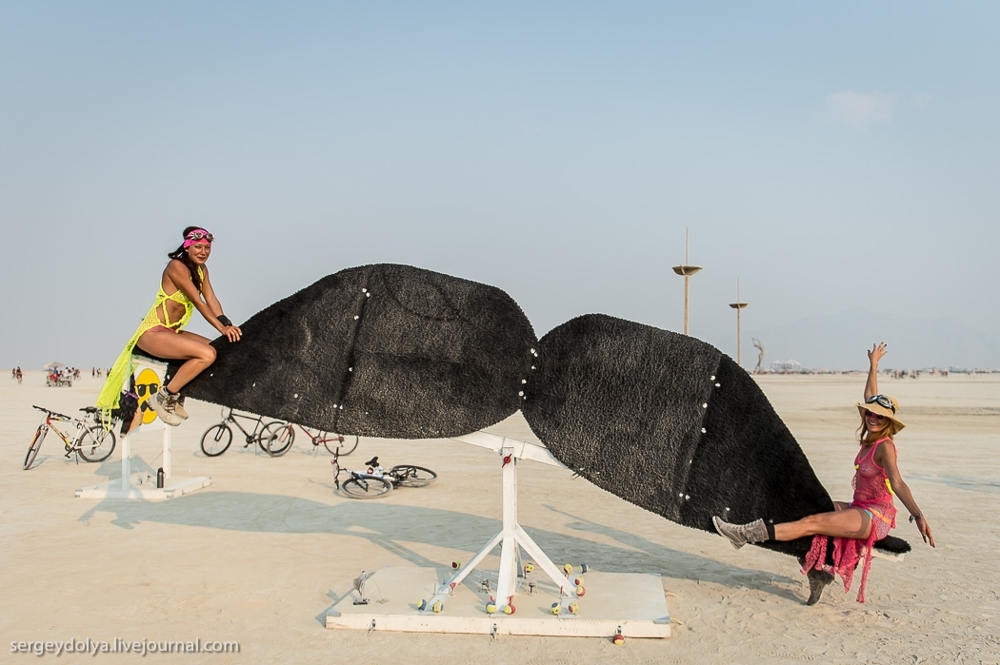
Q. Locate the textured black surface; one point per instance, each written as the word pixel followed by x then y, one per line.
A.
pixel 382 350
pixel 400 352
pixel 669 423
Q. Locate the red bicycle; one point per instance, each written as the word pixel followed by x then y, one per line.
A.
pixel 279 437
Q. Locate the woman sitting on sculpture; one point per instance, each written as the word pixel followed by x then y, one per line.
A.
pixel 855 526
pixel 184 286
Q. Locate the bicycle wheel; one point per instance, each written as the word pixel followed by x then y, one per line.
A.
pixel 95 443
pixel 277 438
pixel 340 444
pixel 36 444
pixel 216 440
pixel 368 487
pixel 409 475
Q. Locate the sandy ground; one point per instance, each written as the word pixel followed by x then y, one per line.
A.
pixel 261 555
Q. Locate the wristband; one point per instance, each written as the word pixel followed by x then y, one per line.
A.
pixel 224 320
pixel 918 515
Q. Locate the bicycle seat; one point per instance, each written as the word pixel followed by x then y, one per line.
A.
pixel 372 462
pixel 90 409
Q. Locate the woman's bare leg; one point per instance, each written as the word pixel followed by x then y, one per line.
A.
pixel 845 523
pixel 194 349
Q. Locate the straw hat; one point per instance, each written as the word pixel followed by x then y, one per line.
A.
pixel 876 404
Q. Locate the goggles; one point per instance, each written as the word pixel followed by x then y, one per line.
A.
pixel 198 234
pixel 881 400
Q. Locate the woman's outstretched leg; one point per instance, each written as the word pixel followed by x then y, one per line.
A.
pixel 846 523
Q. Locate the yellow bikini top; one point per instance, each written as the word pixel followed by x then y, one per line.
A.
pixel 110 397
pixel 177 297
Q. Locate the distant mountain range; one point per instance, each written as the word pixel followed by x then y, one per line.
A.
pixel 838 341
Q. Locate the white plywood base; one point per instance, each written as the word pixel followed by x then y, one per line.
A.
pixel 143 487
pixel 632 603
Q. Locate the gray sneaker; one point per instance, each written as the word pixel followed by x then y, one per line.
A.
pixel 164 406
pixel 179 409
pixel 741 534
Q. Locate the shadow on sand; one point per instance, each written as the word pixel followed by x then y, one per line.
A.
pixel 389 526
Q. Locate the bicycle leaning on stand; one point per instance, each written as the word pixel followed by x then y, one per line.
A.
pixel 91 441
pixel 284 436
pixel 217 438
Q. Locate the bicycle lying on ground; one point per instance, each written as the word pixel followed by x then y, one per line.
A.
pixel 376 482
pixel 91 441
pixel 284 437
pixel 217 438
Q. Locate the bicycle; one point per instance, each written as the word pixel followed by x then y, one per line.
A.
pixel 218 437
pixel 92 442
pixel 375 482
pixel 282 438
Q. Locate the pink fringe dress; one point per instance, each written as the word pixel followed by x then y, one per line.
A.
pixel 872 492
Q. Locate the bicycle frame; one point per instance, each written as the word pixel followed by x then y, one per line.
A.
pixel 258 427
pixel 283 439
pixel 320 437
pixel 50 423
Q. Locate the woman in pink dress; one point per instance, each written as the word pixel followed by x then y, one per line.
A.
pixel 855 526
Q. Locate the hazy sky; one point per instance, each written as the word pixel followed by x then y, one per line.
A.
pixel 829 155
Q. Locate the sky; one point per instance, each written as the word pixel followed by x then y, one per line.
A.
pixel 829 156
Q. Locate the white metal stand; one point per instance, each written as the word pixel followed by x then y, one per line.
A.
pixel 511 535
pixel 143 486
pixel 631 604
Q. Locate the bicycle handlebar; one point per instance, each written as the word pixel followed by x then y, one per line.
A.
pixel 52 413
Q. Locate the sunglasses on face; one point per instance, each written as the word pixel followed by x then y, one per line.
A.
pixel 142 388
pixel 877 416
pixel 881 400
pixel 199 235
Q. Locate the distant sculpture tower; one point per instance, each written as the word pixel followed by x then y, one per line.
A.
pixel 738 306
pixel 760 356
pixel 686 270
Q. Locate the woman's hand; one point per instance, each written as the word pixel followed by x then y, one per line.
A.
pixel 232 333
pixel 875 355
pixel 925 530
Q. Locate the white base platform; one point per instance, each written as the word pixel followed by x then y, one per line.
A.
pixel 632 603
pixel 144 487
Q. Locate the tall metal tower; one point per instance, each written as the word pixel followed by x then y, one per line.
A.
pixel 686 270
pixel 738 306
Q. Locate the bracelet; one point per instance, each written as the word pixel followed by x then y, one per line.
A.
pixel 224 320
pixel 917 516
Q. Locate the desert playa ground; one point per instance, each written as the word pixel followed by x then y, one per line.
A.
pixel 262 554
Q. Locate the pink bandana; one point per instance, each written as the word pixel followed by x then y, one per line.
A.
pixel 197 236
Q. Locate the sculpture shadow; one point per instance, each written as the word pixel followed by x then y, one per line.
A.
pixel 391 527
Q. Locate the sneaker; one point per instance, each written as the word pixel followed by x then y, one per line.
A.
pixel 163 404
pixel 741 534
pixel 179 406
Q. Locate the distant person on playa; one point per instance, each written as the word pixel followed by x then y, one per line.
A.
pixel 184 287
pixel 855 526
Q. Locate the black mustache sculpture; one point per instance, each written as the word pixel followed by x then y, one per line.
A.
pixel 662 420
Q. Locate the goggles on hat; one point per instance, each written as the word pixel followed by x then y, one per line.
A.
pixel 881 400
